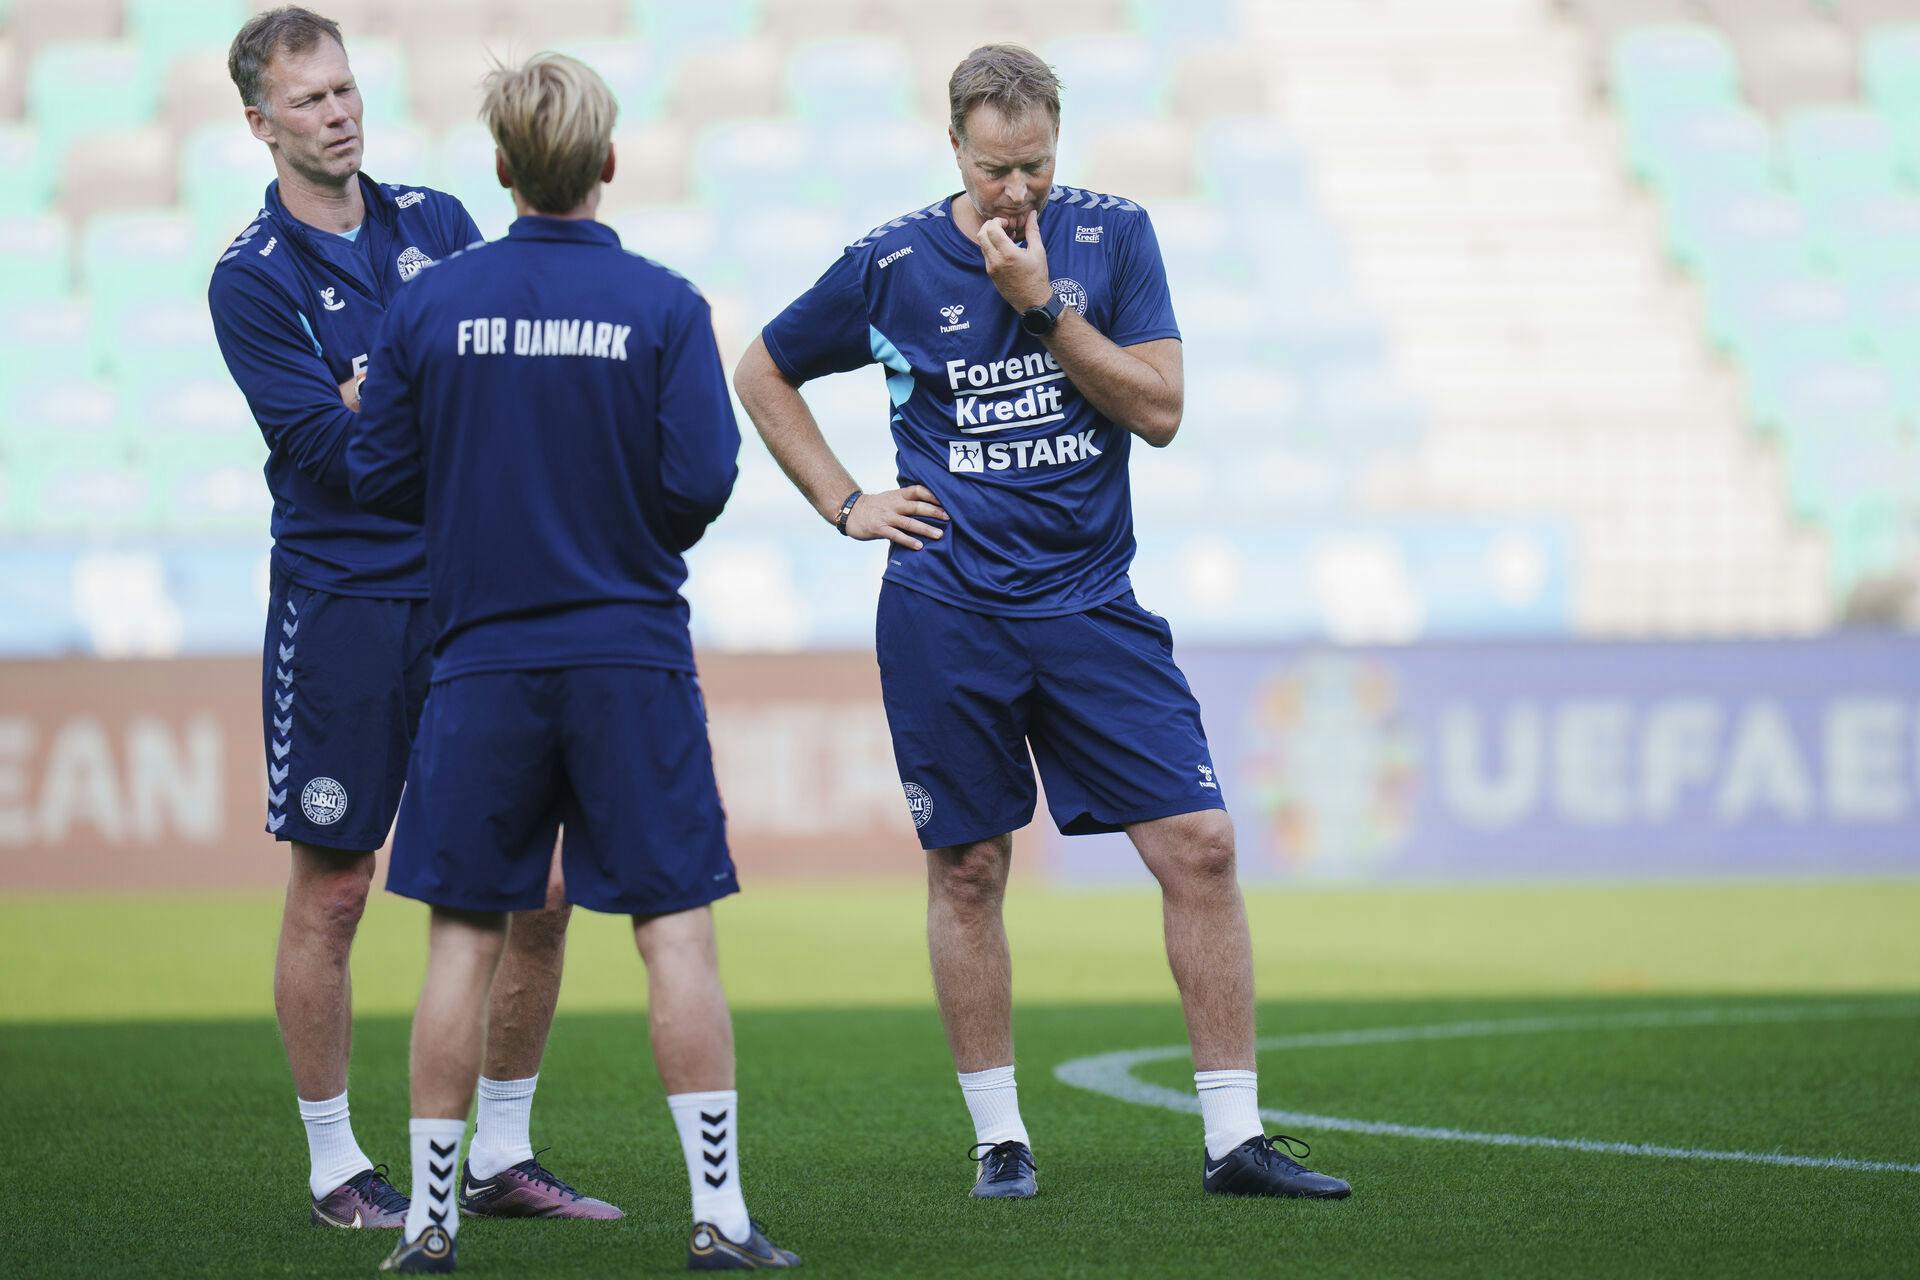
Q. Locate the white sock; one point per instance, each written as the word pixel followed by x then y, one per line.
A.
pixel 436 1172
pixel 503 1132
pixel 709 1125
pixel 993 1100
pixel 1230 1108
pixel 333 1155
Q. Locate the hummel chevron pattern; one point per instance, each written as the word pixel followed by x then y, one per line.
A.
pixel 282 742
pixel 440 1192
pixel 713 1135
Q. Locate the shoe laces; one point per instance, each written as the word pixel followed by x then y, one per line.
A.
pixel 1002 1159
pixel 540 1173
pixel 374 1184
pixel 1281 1149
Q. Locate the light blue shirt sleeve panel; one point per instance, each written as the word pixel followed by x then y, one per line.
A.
pixel 699 438
pixel 1143 305
pixel 826 329
pixel 271 352
pixel 385 470
pixel 899 372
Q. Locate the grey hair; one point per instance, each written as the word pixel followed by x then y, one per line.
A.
pixel 1007 77
pixel 288 28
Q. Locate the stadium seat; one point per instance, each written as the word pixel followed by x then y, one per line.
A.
pixel 37 23
pixel 74 87
pixel 1113 79
pixel 30 174
pixel 730 82
pixel 1829 403
pixel 1839 154
pixel 50 414
pixel 1718 149
pixel 141 256
pixel 46 341
pixel 380 71
pixel 887 167
pixel 853 79
pixel 79 484
pixel 209 486
pixel 224 172
pixel 674 28
pixel 755 163
pixel 110 169
pixel 1170 26
pixel 445 82
pixel 1745 235
pixel 1656 69
pixel 166 29
pixel 146 345
pixel 1870 238
pixel 1246 163
pixel 1222 80
pixel 34 259
pixel 1890 75
pixel 36 593
pixel 683 237
pixel 632 68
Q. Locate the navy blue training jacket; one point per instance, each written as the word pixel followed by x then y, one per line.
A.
pixel 554 408
pixel 295 310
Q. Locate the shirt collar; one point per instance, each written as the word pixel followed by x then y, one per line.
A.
pixel 573 230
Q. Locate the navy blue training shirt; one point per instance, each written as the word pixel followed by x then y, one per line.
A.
pixel 554 407
pixel 295 310
pixel 1033 475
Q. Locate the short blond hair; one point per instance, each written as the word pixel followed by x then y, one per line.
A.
pixel 1011 79
pixel 552 118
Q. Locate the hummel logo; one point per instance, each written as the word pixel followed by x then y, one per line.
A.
pixel 264 251
pixel 328 301
pixel 1206 777
pixel 953 314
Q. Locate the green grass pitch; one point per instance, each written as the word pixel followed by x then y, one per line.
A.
pixel 151 1129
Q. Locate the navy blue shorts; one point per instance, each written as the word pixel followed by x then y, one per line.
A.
pixel 1110 719
pixel 341 684
pixel 617 755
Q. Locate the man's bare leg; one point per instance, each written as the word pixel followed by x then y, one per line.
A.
pixel 1208 946
pixel 692 1036
pixel 449 1032
pixel 1211 954
pixel 313 1000
pixel 519 1017
pixel 973 982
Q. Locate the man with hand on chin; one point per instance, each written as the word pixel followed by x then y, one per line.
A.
pixel 1027 335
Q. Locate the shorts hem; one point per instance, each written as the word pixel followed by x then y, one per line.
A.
pixel 337 844
pixel 996 832
pixel 453 902
pixel 1100 826
pixel 672 907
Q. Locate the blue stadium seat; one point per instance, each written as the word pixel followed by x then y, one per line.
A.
pixel 46 341
pixel 35 257
pixel 1839 154
pixel 850 80
pixel 755 163
pixel 1727 148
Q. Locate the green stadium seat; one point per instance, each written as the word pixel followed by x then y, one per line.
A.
pixel 148 345
pixel 224 172
pixel 631 69
pixel 210 487
pixel 462 164
pixel 1715 149
pixel 30 172
pixel 35 254
pixel 1667 71
pixel 673 27
pixel 756 163
pixel 1870 239
pixel 1749 235
pixel 1890 76
pixel 75 86
pixel 852 79
pixel 166 29
pixel 45 340
pixel 1839 154
pixel 380 71
pixel 142 256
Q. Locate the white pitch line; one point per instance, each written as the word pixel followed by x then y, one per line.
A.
pixel 1111 1075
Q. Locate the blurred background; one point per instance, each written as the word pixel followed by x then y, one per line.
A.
pixel 1547 505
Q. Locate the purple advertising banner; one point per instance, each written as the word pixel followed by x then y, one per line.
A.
pixel 1529 761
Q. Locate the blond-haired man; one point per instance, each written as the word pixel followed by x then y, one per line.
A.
pixel 555 409
pixel 1028 335
pixel 296 301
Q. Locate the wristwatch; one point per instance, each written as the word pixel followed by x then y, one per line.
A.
pixel 1042 320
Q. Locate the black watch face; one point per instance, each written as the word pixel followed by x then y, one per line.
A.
pixel 1037 321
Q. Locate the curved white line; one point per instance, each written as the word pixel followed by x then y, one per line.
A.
pixel 1111 1075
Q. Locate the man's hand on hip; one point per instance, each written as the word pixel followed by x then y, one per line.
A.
pixel 1020 274
pixel 896 516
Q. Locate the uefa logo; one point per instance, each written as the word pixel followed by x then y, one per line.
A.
pixel 919 804
pixel 1072 293
pixel 324 801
